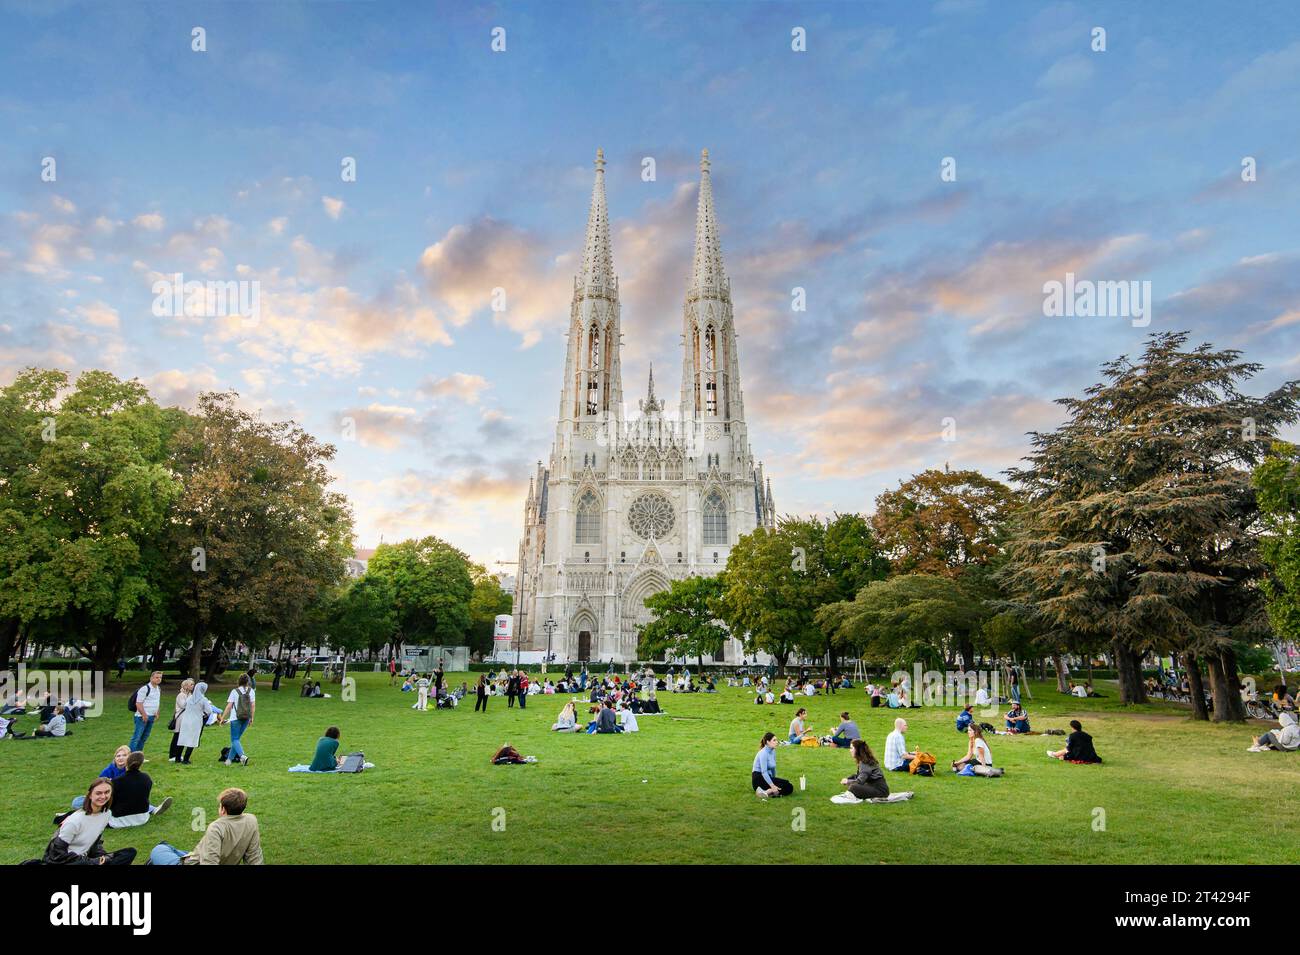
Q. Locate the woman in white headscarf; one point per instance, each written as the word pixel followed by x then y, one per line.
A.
pixel 197 710
pixel 174 754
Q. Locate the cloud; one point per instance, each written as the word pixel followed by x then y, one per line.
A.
pixel 333 207
pixel 470 262
pixel 149 221
pixel 99 315
pixel 386 427
pixel 459 385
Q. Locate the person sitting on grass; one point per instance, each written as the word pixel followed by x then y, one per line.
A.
pixel 798 728
pixel 131 806
pixel 787 695
pixel 1078 747
pixel 965 718
pixel 627 720
pixel 1282 698
pixel 869 782
pixel 651 704
pixel 117 767
pixel 568 719
pixel 977 750
pixel 897 756
pixel 9 728
pixel 407 686
pixel 1285 738
pixel 607 719
pixel 1017 719
pixel 763 777
pixel 507 755
pixel 56 727
pixel 233 837
pixel 80 839
pixel 326 758
pixel 844 734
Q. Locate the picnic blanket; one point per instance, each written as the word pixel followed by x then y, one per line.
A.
pixel 305 768
pixel 848 799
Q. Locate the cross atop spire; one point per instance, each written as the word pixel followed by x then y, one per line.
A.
pixel 707 273
pixel 598 260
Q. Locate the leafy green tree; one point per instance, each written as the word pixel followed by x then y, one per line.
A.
pixel 362 617
pixel 431 588
pixel 257 537
pixel 684 621
pixel 1277 486
pixel 89 489
pixel 487 601
pixel 775 581
pixel 1140 524
pixel 906 619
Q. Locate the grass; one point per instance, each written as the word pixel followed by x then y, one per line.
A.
pixel 1172 791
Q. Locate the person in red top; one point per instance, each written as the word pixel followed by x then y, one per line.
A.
pixel 392 671
pixel 523 690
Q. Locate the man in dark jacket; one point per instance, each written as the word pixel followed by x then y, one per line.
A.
pixel 607 721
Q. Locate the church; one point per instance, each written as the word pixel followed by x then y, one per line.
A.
pixel 632 500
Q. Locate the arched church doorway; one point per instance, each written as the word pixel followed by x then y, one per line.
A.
pixel 584 645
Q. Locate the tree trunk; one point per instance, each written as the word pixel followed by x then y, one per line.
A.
pixel 967 648
pixel 210 671
pixel 196 658
pixel 1130 678
pixel 1057 662
pixel 8 638
pixel 1194 683
pixel 109 648
pixel 1228 707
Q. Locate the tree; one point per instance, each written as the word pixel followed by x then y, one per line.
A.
pixel 1139 523
pixel 431 586
pixel 87 488
pixel 487 601
pixel 906 619
pixel 1277 485
pixel 362 616
pixel 775 581
pixel 684 621
pixel 940 522
pixel 257 537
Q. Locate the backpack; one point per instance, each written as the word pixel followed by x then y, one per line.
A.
pixel 243 705
pixel 922 765
pixel 353 763
pixel 130 704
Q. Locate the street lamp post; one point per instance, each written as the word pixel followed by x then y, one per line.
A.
pixel 550 626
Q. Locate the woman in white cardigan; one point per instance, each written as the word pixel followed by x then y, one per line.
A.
pixel 197 710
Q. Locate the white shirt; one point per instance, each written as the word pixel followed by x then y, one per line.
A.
pixel 1080 691
pixel 57 726
pixel 149 696
pixel 895 750
pixel 233 698
pixel 982 750
pixel 809 690
pixel 982 697
pixel 80 830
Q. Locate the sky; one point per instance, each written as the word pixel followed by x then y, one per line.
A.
pixel 924 340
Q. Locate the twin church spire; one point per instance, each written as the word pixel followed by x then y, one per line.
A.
pixel 710 374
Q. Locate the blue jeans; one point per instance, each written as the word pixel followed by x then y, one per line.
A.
pixel 237 728
pixel 166 854
pixel 143 727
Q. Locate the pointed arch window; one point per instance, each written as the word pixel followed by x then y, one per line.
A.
pixel 673 467
pixel 587 525
pixel 710 349
pixel 627 468
pixel 715 519
pixel 650 467
pixel 593 348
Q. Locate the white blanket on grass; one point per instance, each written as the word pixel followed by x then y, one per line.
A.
pixel 306 768
pixel 848 799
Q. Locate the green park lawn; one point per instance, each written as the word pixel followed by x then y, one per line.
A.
pixel 678 792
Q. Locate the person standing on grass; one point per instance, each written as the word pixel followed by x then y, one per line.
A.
pixel 868 782
pixel 523 690
pixel 763 776
pixel 512 690
pixel 481 694
pixel 182 697
pixel 243 701
pixel 392 671
pixel 422 689
pixel 195 716
pixel 233 837
pixel 147 700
